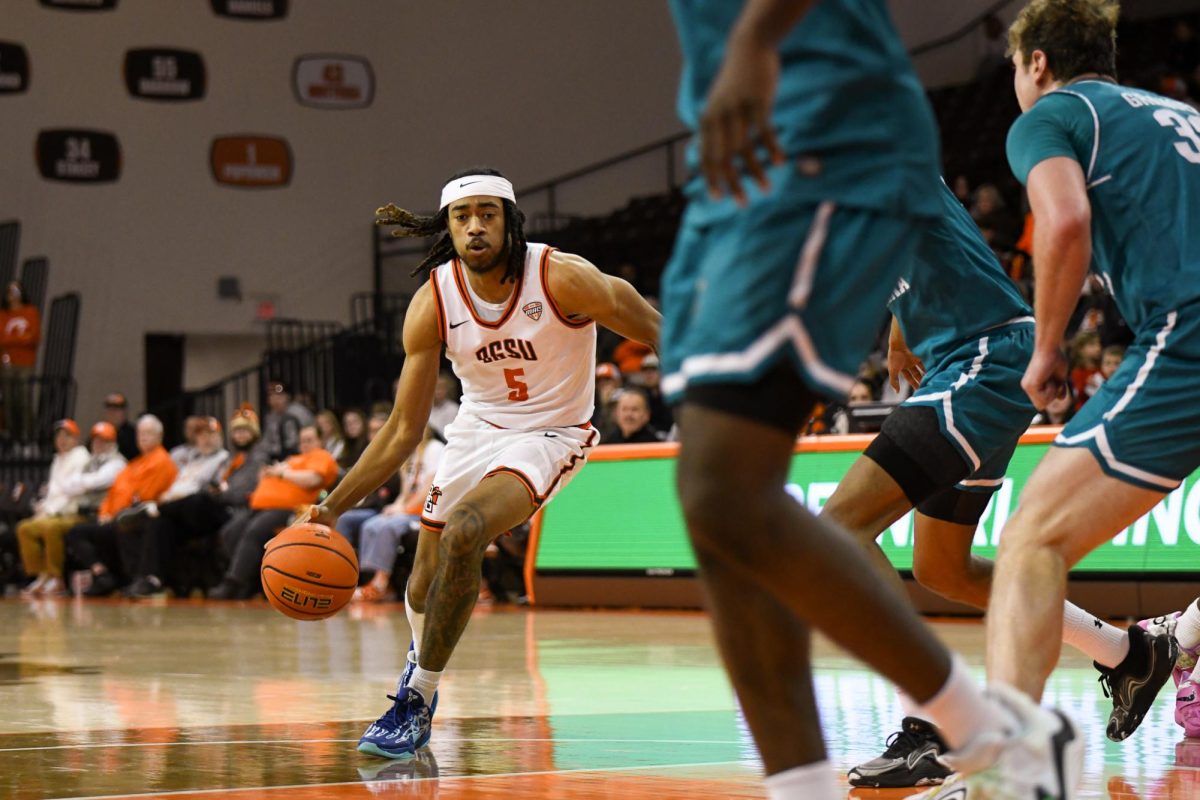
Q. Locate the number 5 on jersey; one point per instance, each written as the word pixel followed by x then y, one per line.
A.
pixel 520 390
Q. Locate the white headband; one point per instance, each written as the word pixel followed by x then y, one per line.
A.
pixel 471 185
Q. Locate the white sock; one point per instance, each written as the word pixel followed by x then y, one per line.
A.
pixel 911 707
pixel 1187 632
pixel 416 620
pixel 1103 643
pixel 960 710
pixel 425 681
pixel 810 782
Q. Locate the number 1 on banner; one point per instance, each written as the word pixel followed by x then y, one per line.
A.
pixel 520 390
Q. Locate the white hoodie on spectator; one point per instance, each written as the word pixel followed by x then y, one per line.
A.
pixel 59 500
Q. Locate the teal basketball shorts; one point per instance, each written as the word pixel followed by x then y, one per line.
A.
pixel 780 279
pixel 975 389
pixel 1143 424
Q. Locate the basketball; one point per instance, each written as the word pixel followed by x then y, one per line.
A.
pixel 309 571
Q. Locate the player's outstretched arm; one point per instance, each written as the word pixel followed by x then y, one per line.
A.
pixel 405 427
pixel 1062 251
pixel 579 288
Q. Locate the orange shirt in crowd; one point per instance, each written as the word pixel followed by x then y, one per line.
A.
pixel 20 332
pixel 279 493
pixel 629 354
pixel 142 480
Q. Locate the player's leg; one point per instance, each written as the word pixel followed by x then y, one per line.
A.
pixel 943 561
pixel 450 565
pixel 1069 507
pixel 498 504
pixel 732 472
pixel 867 502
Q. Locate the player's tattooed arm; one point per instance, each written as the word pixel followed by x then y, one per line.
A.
pixel 405 427
pixel 578 288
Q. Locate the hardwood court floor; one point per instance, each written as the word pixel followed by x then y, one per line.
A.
pixel 233 701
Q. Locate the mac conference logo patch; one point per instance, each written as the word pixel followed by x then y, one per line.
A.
pixel 161 74
pixel 250 9
pixel 333 82
pixel 81 5
pixel 251 162
pixel 14 68
pixel 78 155
pixel 533 310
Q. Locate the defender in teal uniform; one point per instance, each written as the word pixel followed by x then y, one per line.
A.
pixel 772 297
pixel 945 451
pixel 1113 176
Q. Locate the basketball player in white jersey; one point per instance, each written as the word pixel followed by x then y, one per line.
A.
pixel 518 321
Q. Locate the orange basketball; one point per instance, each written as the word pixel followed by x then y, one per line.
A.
pixel 309 571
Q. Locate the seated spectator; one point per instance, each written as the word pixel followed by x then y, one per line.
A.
pixel 116 413
pixel 1110 360
pixel 331 433
pixel 282 488
pixel 1058 411
pixel 382 533
pixel 351 522
pixel 650 379
pixel 282 423
pixel 961 187
pixel 861 392
pixel 1085 363
pixel 445 403
pixel 201 514
pixel 137 544
pixel 40 536
pixel 354 433
pixel 629 354
pixel 20 334
pixel 631 417
pixel 608 382
pixel 94 546
pixel 182 453
pixel 999 226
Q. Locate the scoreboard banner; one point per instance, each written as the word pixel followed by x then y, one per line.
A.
pixel 619 515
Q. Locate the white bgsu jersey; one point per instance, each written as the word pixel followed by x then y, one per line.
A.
pixel 531 368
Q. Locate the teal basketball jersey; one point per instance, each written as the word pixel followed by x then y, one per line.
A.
pixel 956 288
pixel 1140 155
pixel 850 113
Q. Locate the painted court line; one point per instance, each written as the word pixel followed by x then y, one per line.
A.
pixel 230 790
pixel 105 746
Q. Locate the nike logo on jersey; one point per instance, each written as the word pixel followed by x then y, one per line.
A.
pixel 456 324
pixel 506 348
pixel 550 435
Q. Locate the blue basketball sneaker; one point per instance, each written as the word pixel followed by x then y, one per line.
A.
pixel 403 729
pixel 410 664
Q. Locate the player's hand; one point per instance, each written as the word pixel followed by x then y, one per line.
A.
pixel 1045 378
pixel 903 364
pixel 737 119
pixel 321 515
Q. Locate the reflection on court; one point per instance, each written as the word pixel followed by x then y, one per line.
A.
pixel 235 701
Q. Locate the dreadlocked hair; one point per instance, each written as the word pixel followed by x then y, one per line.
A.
pixel 409 224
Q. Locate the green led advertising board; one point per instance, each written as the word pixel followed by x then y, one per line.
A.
pixel 621 516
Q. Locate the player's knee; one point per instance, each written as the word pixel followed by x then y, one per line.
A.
pixel 1036 526
pixel 940 578
pixel 465 534
pixel 706 507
